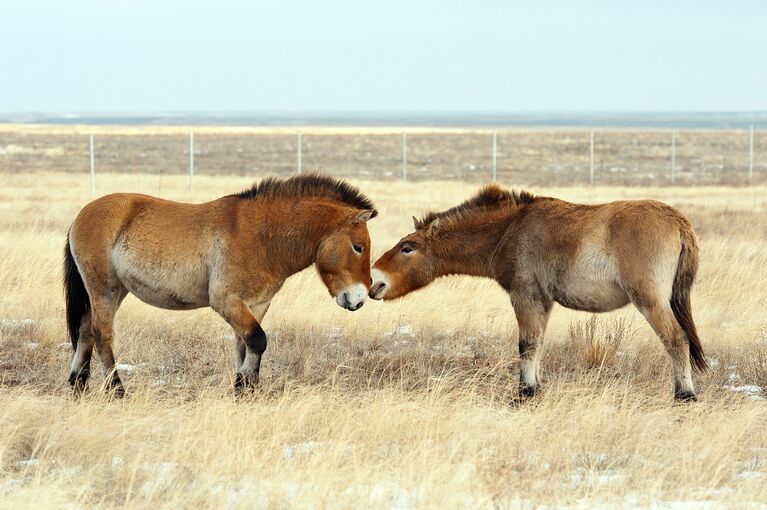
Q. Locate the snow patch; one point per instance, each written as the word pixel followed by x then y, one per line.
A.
pixel 747 389
pixel 305 448
pixel 30 462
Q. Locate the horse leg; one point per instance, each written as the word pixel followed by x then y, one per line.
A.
pixel 239 350
pixel 102 324
pixel 532 317
pixel 258 312
pixel 249 333
pixel 660 316
pixel 81 360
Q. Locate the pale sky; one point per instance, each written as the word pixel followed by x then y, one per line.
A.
pixel 405 56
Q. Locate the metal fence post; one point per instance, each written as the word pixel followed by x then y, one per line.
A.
pixel 404 156
pixel 591 158
pixel 298 156
pixel 673 156
pixel 495 154
pixel 93 165
pixel 750 152
pixel 191 160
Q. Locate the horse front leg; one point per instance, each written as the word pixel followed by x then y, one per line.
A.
pixel 532 317
pixel 251 338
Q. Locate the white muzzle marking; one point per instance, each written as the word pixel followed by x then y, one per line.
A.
pixel 352 297
pixel 381 284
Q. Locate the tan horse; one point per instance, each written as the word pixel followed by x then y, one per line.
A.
pixel 232 254
pixel 543 250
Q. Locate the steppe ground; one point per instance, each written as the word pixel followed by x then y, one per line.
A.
pixel 399 405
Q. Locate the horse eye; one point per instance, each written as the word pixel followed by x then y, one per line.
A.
pixel 358 248
pixel 406 249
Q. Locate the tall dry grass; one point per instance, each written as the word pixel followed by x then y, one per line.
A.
pixel 402 404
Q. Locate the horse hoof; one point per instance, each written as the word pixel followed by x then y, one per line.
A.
pixel 117 392
pixel 526 391
pixel 116 388
pixel 243 384
pixel 518 402
pixel 79 382
pixel 685 397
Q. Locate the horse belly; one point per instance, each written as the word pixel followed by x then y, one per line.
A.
pixel 591 284
pixel 172 285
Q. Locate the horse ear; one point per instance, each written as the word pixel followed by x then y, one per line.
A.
pixel 366 215
pixel 416 223
pixel 434 226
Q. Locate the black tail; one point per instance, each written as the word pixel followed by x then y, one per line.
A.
pixel 78 302
pixel 680 299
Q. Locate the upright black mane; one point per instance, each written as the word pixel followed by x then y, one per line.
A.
pixel 491 195
pixel 308 185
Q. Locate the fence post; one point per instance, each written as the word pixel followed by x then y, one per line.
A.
pixel 298 155
pixel 750 152
pixel 191 160
pixel 404 156
pixel 591 158
pixel 673 156
pixel 93 165
pixel 495 154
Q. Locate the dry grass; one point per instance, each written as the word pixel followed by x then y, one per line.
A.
pixel 402 404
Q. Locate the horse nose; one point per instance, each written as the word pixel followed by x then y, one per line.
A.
pixel 377 289
pixel 357 306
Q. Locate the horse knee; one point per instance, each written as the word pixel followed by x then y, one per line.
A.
pixel 256 340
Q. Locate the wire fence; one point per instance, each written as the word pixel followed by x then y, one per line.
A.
pixel 515 157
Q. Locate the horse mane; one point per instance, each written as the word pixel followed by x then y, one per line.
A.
pixel 490 196
pixel 308 186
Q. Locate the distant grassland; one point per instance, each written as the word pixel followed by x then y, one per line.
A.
pixel 399 405
pixel 526 156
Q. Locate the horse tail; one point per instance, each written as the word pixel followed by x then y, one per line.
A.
pixel 680 297
pixel 77 301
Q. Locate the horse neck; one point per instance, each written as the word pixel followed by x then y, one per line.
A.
pixel 468 246
pixel 290 232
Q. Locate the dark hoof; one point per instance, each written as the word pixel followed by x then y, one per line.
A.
pixel 526 391
pixel 118 392
pixel 116 388
pixel 243 384
pixel 79 381
pixel 685 397
pixel 518 402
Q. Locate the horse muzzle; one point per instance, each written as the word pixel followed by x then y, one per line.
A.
pixel 352 297
pixel 377 290
pixel 380 284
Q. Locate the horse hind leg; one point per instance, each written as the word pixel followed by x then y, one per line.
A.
pixel 659 314
pixel 102 324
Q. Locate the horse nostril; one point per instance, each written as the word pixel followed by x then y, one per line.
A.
pixel 358 305
pixel 377 287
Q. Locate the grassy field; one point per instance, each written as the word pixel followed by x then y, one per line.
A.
pixel 526 156
pixel 399 405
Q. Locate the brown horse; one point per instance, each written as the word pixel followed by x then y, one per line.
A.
pixel 232 254
pixel 543 250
